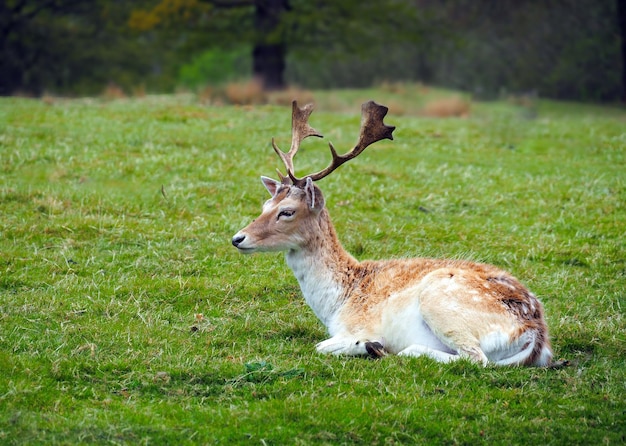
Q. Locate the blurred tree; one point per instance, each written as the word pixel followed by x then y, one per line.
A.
pixel 274 28
pixel 565 49
pixel 621 18
pixel 75 46
pixel 568 49
pixel 22 44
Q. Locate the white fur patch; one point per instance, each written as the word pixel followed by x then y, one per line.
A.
pixel 319 288
pixel 500 349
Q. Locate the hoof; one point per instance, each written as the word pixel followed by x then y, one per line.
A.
pixel 375 349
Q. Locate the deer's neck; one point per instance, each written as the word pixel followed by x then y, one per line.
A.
pixel 324 270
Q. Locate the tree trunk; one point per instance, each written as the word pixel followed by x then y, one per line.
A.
pixel 268 65
pixel 621 17
pixel 270 50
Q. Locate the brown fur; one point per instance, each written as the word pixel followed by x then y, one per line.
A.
pixel 461 301
pixel 442 308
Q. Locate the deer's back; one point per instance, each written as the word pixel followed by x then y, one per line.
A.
pixel 381 279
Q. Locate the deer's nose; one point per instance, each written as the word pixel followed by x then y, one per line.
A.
pixel 237 239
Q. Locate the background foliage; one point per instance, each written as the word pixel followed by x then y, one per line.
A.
pixel 568 49
pixel 216 67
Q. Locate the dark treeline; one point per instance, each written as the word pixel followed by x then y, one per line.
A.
pixel 567 49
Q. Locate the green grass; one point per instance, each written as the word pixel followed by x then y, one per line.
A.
pixel 115 227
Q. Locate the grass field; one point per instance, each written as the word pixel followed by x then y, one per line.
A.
pixel 126 317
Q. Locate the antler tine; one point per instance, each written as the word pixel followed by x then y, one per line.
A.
pixel 373 129
pixel 300 129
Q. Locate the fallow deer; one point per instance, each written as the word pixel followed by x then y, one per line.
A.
pixel 444 309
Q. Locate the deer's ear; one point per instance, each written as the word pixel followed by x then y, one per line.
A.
pixel 271 185
pixel 314 197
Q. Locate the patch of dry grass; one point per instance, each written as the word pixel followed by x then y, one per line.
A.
pixel 452 107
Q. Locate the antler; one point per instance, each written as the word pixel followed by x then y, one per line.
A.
pixel 373 129
pixel 300 129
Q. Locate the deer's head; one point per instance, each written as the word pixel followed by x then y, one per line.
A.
pixel 289 218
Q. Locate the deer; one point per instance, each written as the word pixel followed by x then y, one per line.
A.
pixel 443 309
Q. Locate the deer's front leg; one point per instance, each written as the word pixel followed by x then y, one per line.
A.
pixel 347 345
pixel 342 345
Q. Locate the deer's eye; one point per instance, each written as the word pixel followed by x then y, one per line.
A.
pixel 286 214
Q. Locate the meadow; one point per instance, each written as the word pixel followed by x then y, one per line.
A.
pixel 126 316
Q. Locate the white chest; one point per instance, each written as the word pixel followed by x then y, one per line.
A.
pixel 320 289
